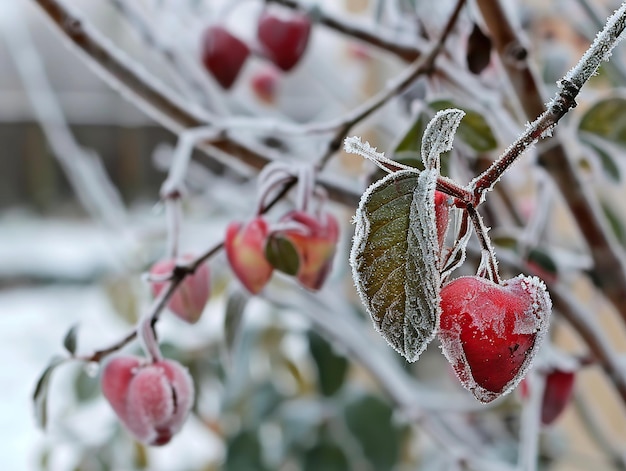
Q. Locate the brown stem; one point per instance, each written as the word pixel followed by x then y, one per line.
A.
pixel 609 264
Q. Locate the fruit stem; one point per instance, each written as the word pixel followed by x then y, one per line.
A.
pixel 488 263
pixel 173 213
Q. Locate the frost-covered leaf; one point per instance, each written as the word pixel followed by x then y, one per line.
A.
pixel 40 395
pixel 439 135
pixel 394 259
pixel 473 130
pixel 615 221
pixel 69 341
pixel 607 119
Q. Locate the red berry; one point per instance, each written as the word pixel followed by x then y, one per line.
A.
pixel 264 84
pixel 245 249
pixel 284 41
pixel 151 400
pixel 316 243
pixel 556 395
pixel 442 216
pixel 223 55
pixel 192 294
pixel 490 332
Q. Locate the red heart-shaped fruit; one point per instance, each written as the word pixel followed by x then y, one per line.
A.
pixel 284 40
pixel 490 332
pixel 556 394
pixel 316 243
pixel 245 249
pixel 223 55
pixel 151 400
pixel 191 296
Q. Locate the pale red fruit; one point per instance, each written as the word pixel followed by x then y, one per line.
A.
pixel 264 84
pixel 315 243
pixel 442 216
pixel 223 55
pixel 490 332
pixel 557 394
pixel 151 400
pixel 284 40
pixel 191 296
pixel 245 249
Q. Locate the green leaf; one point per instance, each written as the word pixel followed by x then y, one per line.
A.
pixel 394 259
pixel 542 259
pixel 40 395
pixel 473 130
pixel 412 138
pixel 69 342
pixel 616 223
pixel 233 322
pixel 331 368
pixel 606 159
pixel 326 456
pixel 85 386
pixel 607 119
pixel 369 419
pixel 244 452
pixel 282 254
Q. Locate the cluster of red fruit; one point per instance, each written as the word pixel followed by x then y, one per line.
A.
pixel 283 41
pixel 314 239
pixel 152 398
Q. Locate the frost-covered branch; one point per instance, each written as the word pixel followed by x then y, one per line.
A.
pixel 609 262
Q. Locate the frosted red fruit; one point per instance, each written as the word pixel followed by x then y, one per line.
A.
pixel 442 216
pixel 284 40
pixel 315 243
pixel 490 332
pixel 264 84
pixel 151 400
pixel 191 296
pixel 245 249
pixel 556 394
pixel 223 55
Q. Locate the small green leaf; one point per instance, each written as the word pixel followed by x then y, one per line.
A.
pixel 243 452
pixel 69 342
pixel 369 419
pixel 615 222
pixel 282 254
pixel 40 395
pixel 606 159
pixel 543 260
pixel 85 386
pixel 326 456
pixel 331 367
pixel 233 322
pixel 412 138
pixel 394 259
pixel 607 119
pixel 473 130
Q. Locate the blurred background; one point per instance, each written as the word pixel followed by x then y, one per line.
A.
pixel 81 221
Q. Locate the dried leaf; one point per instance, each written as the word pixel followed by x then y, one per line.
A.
pixel 394 259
